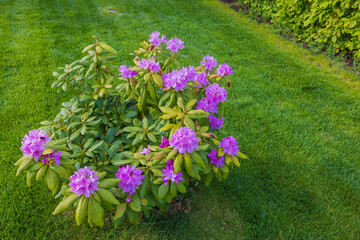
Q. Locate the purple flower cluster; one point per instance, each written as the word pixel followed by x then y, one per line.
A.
pixel 83 182
pixel 214 95
pixel 156 40
pixel 207 105
pixel 209 62
pixel 178 79
pixel 146 150
pixel 150 65
pixel 201 79
pixel 168 173
pixel 126 72
pixel 34 143
pixel 215 123
pixel 224 69
pixel 175 44
pixel 219 162
pixel 49 158
pixel 164 143
pixel 230 146
pixel 184 139
pixel 130 178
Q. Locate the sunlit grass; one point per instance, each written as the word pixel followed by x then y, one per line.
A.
pixel 296 115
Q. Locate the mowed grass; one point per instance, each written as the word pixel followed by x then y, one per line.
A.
pixel 296 115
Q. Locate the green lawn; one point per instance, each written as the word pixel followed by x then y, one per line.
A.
pixel 296 115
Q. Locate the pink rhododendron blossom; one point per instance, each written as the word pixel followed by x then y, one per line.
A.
pixel 209 62
pixel 34 143
pixel 164 143
pixel 215 123
pixel 201 79
pixel 174 79
pixel 168 173
pixel 84 182
pixel 216 93
pixel 150 65
pixel 184 139
pixel 219 162
pixel 156 40
pixel 146 150
pixel 208 105
pixel 224 70
pixel 49 158
pixel 126 72
pixel 174 44
pixel 189 73
pixel 130 178
pixel 230 146
pixel 178 79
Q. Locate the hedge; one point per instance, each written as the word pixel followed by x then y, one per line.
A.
pixel 330 24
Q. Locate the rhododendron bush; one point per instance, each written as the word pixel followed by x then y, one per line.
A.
pixel 134 136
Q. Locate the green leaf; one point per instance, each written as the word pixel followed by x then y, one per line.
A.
pixel 167 127
pixel 61 171
pixel 152 137
pixel 81 210
pixel 110 135
pixel 204 147
pixel 88 143
pixel 51 179
pixel 164 97
pixel 120 210
pixel 25 165
pixel 181 187
pixel 169 115
pixel 132 129
pixel 168 110
pixel 65 204
pixel 224 169
pixel 101 175
pixel 144 186
pixel 235 161
pixel 197 159
pixel 241 155
pixel 157 79
pixel 136 200
pixel 173 190
pixel 97 197
pixel 180 103
pixel 197 114
pixel 189 123
pixel 41 172
pixel 96 212
pixel 108 48
pixel 95 146
pixel 208 178
pixel 75 134
pixel 178 163
pixel 171 155
pixel 190 104
pixel 36 166
pixel 188 164
pixel 107 196
pixel 133 216
pixel 21 160
pixel 88 48
pixel 109 183
pixel 30 178
pixel 47 151
pixel 163 189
